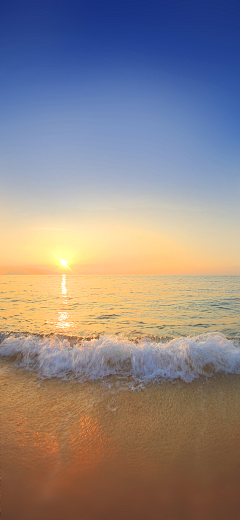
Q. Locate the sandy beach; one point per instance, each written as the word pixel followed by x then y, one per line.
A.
pixel 102 450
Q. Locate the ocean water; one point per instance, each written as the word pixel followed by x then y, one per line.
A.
pixel 143 327
pixel 120 397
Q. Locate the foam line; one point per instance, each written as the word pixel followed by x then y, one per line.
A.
pixel 186 358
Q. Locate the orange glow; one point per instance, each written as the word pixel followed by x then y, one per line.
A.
pixel 104 243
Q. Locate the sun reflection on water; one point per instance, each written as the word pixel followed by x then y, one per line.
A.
pixel 63 316
pixel 64 286
pixel 63 322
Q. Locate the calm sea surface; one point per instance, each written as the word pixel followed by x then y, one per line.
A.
pixel 132 306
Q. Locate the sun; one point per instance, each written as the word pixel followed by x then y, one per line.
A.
pixel 63 262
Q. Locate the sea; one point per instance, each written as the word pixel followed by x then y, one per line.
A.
pixel 120 397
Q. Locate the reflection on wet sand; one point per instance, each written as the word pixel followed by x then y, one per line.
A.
pixel 76 451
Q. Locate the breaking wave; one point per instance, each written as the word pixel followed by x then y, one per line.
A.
pixel 186 358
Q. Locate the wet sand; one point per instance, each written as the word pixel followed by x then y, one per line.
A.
pixel 90 451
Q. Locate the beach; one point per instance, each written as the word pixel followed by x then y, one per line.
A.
pixel 119 426
pixel 169 451
pixel 120 260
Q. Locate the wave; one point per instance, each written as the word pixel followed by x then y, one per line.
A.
pixel 186 358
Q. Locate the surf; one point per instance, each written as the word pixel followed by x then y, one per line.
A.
pixel 185 358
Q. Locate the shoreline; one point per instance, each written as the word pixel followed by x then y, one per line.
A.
pixel 91 451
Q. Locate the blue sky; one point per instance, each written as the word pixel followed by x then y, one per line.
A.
pixel 121 111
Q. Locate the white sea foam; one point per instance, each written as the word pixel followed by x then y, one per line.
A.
pixel 186 358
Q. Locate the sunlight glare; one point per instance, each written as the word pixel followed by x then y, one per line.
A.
pixel 63 262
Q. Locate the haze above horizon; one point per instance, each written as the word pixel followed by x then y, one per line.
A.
pixel 120 131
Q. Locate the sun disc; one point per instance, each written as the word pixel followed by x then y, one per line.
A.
pixel 63 262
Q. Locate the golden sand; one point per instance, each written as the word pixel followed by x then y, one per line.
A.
pixel 90 452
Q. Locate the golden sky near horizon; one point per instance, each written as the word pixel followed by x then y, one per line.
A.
pixel 133 241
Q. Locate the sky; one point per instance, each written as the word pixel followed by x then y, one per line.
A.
pixel 120 136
